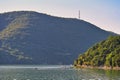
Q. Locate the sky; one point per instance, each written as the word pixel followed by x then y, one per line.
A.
pixel 102 13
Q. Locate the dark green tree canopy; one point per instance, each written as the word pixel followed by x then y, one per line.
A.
pixel 104 53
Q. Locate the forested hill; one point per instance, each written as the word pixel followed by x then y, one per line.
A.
pixel 105 53
pixel 28 37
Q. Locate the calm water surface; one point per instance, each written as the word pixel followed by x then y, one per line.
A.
pixel 55 73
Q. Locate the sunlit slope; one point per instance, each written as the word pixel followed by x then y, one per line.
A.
pixel 105 53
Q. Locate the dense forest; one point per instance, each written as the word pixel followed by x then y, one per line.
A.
pixel 104 53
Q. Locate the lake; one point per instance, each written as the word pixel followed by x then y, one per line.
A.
pixel 55 72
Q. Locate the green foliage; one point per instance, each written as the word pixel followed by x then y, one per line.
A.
pixel 104 53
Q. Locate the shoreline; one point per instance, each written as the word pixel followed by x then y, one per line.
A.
pixel 96 67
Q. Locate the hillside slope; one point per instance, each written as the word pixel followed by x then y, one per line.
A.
pixel 28 37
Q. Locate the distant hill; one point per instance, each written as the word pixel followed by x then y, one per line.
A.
pixel 105 53
pixel 28 37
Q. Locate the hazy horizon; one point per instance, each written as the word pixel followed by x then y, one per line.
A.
pixel 102 13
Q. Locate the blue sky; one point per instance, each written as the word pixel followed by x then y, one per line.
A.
pixel 103 13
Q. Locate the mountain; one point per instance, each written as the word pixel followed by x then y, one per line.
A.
pixel 105 53
pixel 28 37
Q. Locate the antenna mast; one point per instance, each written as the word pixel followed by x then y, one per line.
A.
pixel 79 14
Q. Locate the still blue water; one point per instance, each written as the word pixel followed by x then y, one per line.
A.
pixel 55 73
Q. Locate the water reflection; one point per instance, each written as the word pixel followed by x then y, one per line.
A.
pixel 88 74
pixel 98 74
pixel 57 74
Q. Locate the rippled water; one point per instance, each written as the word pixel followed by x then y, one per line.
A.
pixel 55 73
